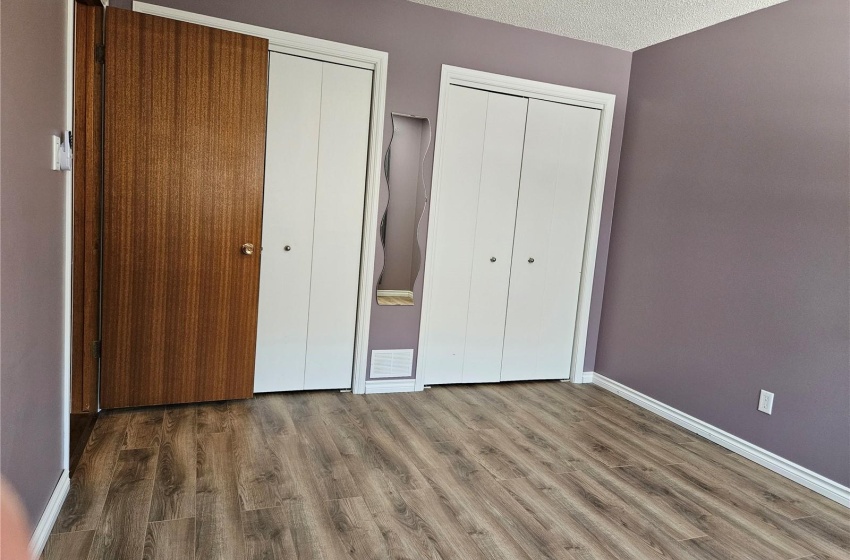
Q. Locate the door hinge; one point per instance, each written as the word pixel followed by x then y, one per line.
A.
pixel 100 53
pixel 96 348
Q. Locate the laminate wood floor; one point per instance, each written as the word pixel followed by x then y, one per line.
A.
pixel 513 471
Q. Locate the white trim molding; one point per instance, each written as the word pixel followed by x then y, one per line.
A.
pixel 453 75
pixel 792 471
pixel 48 517
pixel 67 275
pixel 390 385
pixel 329 51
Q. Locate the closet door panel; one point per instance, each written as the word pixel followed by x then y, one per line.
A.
pixel 292 149
pixel 338 228
pixel 566 243
pixel 543 151
pixel 453 244
pixel 494 233
pixel 557 173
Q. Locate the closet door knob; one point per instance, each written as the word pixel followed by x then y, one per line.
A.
pixel 492 259
pixel 248 249
pixel 287 248
pixel 531 260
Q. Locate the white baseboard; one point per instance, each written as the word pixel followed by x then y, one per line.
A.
pixel 48 517
pixel 390 385
pixel 395 293
pixel 799 474
pixel 580 377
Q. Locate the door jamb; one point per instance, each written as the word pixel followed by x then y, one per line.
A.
pixel 453 75
pixel 340 53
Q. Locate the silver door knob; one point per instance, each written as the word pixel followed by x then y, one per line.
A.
pixel 492 259
pixel 287 248
pixel 248 249
pixel 531 260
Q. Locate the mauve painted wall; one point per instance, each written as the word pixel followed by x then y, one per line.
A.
pixel 419 39
pixel 728 270
pixel 32 209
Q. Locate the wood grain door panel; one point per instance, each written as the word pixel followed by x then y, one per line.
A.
pixel 86 258
pixel 184 152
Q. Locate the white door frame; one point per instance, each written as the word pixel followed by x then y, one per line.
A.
pixel 329 51
pixel 67 275
pixel 453 75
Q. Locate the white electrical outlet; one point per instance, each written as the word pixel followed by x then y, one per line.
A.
pixel 766 402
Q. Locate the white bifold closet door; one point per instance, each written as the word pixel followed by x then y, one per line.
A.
pixel 316 151
pixel 551 223
pixel 482 158
pixel 508 246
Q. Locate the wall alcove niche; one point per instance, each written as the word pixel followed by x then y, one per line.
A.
pixel 406 200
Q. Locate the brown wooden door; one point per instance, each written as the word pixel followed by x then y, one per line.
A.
pixel 85 304
pixel 184 154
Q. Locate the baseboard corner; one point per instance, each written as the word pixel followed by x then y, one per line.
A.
pixel 48 517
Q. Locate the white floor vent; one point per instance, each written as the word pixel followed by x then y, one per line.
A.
pixel 391 363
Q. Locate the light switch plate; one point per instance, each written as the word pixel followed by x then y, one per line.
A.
pixel 56 144
pixel 766 402
pixel 61 151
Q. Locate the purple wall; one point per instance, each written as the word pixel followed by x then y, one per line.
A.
pixel 728 270
pixel 419 39
pixel 32 107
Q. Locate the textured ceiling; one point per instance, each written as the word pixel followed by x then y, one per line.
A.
pixel 625 24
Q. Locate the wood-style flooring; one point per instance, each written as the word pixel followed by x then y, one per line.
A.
pixel 81 426
pixel 513 471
